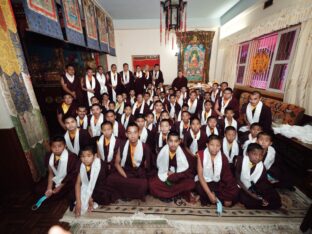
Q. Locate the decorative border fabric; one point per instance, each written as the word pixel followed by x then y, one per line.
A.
pixel 194 55
pixel 90 22
pixel 72 22
pixel 42 17
pixel 17 92
pixel 102 27
pixel 111 36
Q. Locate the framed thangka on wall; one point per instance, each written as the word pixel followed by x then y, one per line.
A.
pixel 102 27
pixel 111 36
pixel 194 57
pixel 42 17
pixel 72 20
pixel 90 22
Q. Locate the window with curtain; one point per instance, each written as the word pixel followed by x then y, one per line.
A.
pixel 263 62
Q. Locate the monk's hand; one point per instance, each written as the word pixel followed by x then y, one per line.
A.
pixel 265 202
pixel 78 209
pixel 57 189
pixel 212 198
pixel 48 193
pixel 170 173
pixel 90 205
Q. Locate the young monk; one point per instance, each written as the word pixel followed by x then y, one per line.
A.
pixel 215 92
pixel 193 104
pixel 227 100
pixel 228 120
pixel 256 192
pixel 256 112
pixel 82 118
pixel 127 116
pixel 183 108
pixel 139 107
pixel 139 80
pixel 63 169
pixel 95 121
pixel 107 145
pixel 127 78
pixel 132 163
pixel 183 126
pixel 195 139
pixel 118 129
pixel 255 128
pixel 207 112
pixel 215 180
pixel 277 175
pixel 113 82
pixel 65 109
pixel 175 174
pixel 119 105
pixel 173 107
pixel 90 86
pixel 101 78
pixel 71 84
pixel 75 138
pixel 212 127
pixel 146 136
pixel 90 189
pixel 230 147
pixel 149 122
pixel 158 108
pixel 161 136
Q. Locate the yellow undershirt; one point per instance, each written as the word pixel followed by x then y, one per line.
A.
pixel 65 107
pixel 171 154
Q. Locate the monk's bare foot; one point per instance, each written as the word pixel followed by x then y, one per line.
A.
pixel 227 203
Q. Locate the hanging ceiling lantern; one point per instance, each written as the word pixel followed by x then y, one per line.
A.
pixel 175 13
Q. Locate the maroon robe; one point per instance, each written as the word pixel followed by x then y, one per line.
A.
pixel 202 141
pixel 177 128
pixel 110 165
pixel 203 128
pixel 69 180
pixel 139 84
pixel 213 113
pixel 263 187
pixel 97 90
pixel 102 194
pixel 178 83
pixel 225 190
pixel 121 132
pixel 84 138
pixel 265 118
pixel 232 165
pixel 135 186
pixel 233 104
pixel 74 87
pixel 182 183
pixel 221 124
pixel 160 78
pixel 131 119
pixel 119 87
pixel 177 108
pixel 138 109
pixel 127 87
pixel 71 111
pixel 157 146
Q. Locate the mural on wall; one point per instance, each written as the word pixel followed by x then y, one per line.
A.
pixel 90 21
pixel 111 36
pixel 143 60
pixel 194 57
pixel 17 91
pixel 103 33
pixel 72 22
pixel 42 17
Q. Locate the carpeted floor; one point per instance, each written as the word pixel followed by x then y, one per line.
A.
pixel 154 216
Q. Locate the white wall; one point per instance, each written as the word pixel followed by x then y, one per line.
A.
pixel 147 42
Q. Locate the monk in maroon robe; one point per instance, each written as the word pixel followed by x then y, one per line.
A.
pixel 71 84
pixel 227 101
pixel 157 75
pixel 139 107
pixel 183 126
pixel 179 82
pixel 118 128
pixel 139 81
pixel 58 185
pixel 262 116
pixel 90 87
pixel 256 191
pixel 132 167
pixel 114 83
pixel 65 109
pixel 127 79
pixel 175 176
pixel 215 179
pixel 195 139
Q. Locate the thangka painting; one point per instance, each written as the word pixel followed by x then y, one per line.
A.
pixel 103 33
pixel 90 21
pixel 111 36
pixel 72 22
pixel 17 92
pixel 42 17
pixel 194 57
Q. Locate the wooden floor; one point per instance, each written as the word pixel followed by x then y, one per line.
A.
pixel 16 215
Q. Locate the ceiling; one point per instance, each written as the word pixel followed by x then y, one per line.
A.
pixel 149 9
